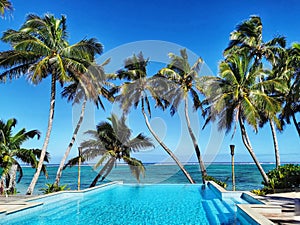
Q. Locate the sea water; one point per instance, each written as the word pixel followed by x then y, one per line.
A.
pixel 246 175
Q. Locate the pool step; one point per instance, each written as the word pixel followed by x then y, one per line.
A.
pixel 211 212
pixel 231 205
pixel 218 212
pixel 59 207
pixel 66 204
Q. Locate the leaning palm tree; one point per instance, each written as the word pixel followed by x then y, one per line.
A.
pixel 93 80
pixel 236 97
pixel 5 6
pixel 138 91
pixel 248 36
pixel 40 49
pixel 183 77
pixel 11 152
pixel 112 141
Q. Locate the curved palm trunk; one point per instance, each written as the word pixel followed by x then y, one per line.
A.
pixel 67 152
pixel 296 123
pixel 275 142
pixel 247 144
pixel 107 168
pixel 170 153
pixel 196 146
pixel 45 145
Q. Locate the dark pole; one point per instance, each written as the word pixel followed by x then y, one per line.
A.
pixel 79 163
pixel 232 166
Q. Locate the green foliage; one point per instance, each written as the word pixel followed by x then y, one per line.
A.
pixel 285 178
pixel 51 188
pixel 12 152
pixel 259 192
pixel 5 6
pixel 112 141
pixel 219 182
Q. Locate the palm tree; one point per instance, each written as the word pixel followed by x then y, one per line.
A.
pixel 237 97
pixel 77 93
pixel 248 36
pixel 183 78
pixel 40 49
pixel 11 151
pixel 112 141
pixel 5 5
pixel 292 98
pixel 136 92
pixel 279 73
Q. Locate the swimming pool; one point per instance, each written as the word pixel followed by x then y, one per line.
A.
pixel 131 204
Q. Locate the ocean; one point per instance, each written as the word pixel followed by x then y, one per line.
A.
pixel 246 175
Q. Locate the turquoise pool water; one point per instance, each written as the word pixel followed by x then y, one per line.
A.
pixel 131 204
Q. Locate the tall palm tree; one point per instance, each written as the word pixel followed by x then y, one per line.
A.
pixel 11 151
pixel 236 97
pixel 279 73
pixel 183 78
pixel 136 92
pixel 5 5
pixel 248 36
pixel 112 140
pixel 292 98
pixel 93 81
pixel 40 49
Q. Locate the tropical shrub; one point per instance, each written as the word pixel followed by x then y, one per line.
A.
pixel 259 192
pixel 284 178
pixel 217 181
pixel 51 188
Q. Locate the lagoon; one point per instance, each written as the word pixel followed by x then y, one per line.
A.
pixel 247 175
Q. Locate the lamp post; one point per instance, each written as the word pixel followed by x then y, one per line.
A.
pixel 79 163
pixel 232 166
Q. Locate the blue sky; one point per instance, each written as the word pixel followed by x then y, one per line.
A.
pixel 203 27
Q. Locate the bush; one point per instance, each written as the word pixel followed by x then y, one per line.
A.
pixel 53 188
pixel 285 178
pixel 219 182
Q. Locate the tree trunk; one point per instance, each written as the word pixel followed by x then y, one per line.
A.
pixel 195 143
pixel 107 168
pixel 2 185
pixel 12 174
pixel 67 152
pixel 170 153
pixel 45 145
pixel 296 123
pixel 247 144
pixel 275 142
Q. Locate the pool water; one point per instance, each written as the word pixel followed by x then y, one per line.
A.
pixel 131 204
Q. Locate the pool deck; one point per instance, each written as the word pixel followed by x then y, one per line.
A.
pixel 290 208
pixel 12 204
pixel 278 208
